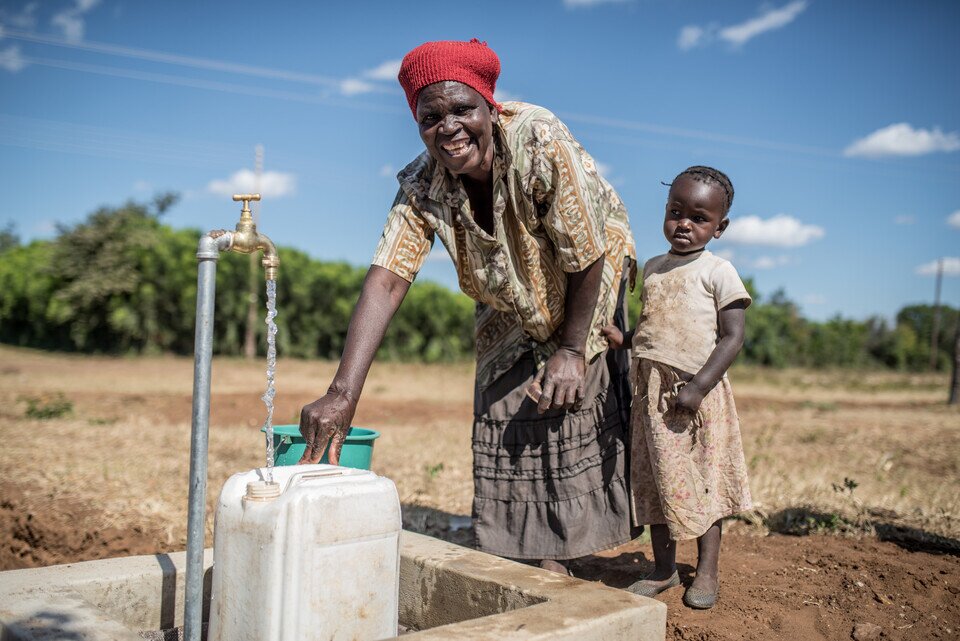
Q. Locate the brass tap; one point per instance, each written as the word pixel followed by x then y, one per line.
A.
pixel 247 239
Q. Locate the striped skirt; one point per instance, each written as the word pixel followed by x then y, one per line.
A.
pixel 553 486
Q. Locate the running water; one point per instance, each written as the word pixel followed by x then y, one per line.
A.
pixel 267 397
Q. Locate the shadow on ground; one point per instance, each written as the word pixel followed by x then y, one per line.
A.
pixel 804 520
pixel 455 528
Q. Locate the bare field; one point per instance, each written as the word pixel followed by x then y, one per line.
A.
pixel 870 457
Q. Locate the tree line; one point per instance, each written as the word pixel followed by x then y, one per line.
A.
pixel 123 282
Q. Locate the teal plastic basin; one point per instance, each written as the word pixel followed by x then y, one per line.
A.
pixel 289 445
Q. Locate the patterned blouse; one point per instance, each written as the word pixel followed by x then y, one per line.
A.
pixel 552 214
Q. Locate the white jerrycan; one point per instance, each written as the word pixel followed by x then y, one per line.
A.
pixel 315 556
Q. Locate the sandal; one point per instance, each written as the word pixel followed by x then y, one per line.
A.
pixel 699 599
pixel 649 588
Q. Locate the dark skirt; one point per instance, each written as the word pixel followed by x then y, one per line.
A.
pixel 552 486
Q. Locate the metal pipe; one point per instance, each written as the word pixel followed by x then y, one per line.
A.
pixel 208 252
pixel 245 240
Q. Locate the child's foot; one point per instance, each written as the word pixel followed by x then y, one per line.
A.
pixel 702 593
pixel 653 584
pixel 555 566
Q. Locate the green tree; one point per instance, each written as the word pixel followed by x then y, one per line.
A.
pixel 920 319
pixel 775 334
pixel 9 237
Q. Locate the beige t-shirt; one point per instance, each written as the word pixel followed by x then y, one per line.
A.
pixel 682 296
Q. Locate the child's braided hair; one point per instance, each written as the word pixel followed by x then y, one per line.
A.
pixel 711 176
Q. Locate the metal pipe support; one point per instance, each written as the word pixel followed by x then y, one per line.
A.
pixel 208 252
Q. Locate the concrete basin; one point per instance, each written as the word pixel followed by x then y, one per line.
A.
pixel 446 592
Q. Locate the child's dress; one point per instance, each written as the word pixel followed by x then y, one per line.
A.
pixel 687 469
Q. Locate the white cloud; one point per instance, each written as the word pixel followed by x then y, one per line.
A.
pixel 726 254
pixel 603 168
pixel 738 34
pixel 385 71
pixel 273 184
pixel 761 262
pixel 371 80
pixel 954 219
pixel 951 267
pixel 905 219
pixel 690 37
pixel 25 19
pixel 502 95
pixel 781 230
pixel 70 21
pixel 814 299
pixel 144 185
pixel 11 60
pixel 903 140
pixel 353 86
pixel 768 21
pixel 387 171
pixel 586 4
pixel 44 227
pixel 438 254
pixel 769 262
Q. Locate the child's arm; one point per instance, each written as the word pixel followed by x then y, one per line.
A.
pixel 731 340
pixel 617 339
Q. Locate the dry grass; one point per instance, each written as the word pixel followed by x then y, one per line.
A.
pixel 124 447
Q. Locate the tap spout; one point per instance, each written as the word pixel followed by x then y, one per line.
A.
pixel 271 260
pixel 247 240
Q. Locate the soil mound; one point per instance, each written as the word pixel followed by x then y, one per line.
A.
pixel 64 532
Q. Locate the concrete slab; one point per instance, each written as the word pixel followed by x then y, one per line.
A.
pixel 446 591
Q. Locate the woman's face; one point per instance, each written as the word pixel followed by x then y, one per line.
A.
pixel 456 125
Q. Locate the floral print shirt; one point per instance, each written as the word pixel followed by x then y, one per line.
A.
pixel 553 214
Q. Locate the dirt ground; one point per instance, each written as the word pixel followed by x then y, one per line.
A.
pixel 856 477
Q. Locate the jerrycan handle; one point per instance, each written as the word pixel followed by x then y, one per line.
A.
pixel 306 476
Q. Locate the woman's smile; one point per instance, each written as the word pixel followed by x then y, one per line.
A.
pixel 456 125
pixel 459 146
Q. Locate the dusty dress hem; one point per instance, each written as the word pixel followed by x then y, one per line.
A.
pixel 617 487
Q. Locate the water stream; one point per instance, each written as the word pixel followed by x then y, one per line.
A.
pixel 267 397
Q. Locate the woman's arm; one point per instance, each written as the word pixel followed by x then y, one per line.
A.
pixel 328 418
pixel 731 320
pixel 561 379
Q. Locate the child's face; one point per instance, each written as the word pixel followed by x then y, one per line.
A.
pixel 694 215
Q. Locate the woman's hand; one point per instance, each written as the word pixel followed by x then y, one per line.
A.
pixel 560 381
pixel 326 420
pixel 690 396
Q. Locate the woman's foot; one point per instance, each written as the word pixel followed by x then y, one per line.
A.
pixel 555 566
pixel 702 593
pixel 654 584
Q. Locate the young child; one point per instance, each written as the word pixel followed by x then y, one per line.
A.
pixel 687 467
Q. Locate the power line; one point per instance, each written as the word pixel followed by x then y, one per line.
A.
pixel 175 59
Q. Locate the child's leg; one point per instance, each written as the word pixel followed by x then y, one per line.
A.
pixel 664 573
pixel 664 553
pixel 708 551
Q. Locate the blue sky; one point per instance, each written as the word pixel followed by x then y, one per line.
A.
pixel 839 122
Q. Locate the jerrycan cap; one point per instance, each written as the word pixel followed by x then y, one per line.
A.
pixel 262 491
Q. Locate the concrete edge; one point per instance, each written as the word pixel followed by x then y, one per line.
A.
pixel 472 595
pixel 453 591
pixel 141 592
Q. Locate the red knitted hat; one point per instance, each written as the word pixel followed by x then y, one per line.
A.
pixel 472 63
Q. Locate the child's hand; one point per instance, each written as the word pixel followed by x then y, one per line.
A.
pixel 614 336
pixel 689 397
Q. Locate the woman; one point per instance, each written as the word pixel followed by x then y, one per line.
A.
pixel 541 242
